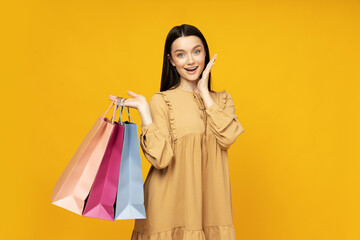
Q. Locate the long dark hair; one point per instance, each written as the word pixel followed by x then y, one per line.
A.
pixel 170 77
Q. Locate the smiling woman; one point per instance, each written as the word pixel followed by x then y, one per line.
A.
pixel 187 57
pixel 186 132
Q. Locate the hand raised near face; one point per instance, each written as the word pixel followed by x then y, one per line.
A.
pixel 203 82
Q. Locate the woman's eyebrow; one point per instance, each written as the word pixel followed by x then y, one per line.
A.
pixel 183 49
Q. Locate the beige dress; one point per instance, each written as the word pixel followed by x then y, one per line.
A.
pixel 187 192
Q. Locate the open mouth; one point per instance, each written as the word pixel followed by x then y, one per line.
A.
pixel 191 70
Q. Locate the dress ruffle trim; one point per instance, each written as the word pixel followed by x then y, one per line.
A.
pixel 223 232
pixel 171 115
pixel 223 98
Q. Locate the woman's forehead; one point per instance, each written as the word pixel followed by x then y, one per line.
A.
pixel 186 43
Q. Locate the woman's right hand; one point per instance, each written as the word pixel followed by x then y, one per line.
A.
pixel 139 102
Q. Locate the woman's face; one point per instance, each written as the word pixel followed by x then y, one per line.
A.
pixel 188 52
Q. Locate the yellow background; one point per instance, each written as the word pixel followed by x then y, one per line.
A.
pixel 292 68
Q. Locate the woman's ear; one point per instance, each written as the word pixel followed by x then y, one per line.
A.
pixel 171 61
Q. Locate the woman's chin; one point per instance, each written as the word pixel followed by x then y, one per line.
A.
pixel 192 78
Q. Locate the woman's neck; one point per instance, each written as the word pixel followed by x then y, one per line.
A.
pixel 190 86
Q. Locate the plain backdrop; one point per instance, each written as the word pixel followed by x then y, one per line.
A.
pixel 292 68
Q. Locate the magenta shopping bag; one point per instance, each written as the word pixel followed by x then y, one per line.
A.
pixel 101 199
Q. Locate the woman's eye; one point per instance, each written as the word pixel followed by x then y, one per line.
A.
pixel 179 54
pixel 197 51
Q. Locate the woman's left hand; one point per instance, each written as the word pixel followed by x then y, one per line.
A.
pixel 203 82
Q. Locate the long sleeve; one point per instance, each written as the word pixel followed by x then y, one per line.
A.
pixel 224 122
pixel 155 138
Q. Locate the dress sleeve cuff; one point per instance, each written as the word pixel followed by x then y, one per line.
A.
pixel 149 127
pixel 216 114
pixel 210 110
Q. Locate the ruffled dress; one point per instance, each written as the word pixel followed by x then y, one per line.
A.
pixel 187 192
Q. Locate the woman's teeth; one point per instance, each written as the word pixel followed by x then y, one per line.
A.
pixel 191 70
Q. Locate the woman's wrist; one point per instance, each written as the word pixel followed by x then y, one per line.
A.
pixel 208 101
pixel 145 114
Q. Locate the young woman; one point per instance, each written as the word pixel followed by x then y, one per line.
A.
pixel 186 131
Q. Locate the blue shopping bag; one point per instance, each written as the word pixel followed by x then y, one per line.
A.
pixel 130 195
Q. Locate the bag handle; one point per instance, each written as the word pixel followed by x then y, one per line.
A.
pixel 120 112
pixel 116 105
pixel 112 103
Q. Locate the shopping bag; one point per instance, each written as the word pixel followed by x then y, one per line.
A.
pixel 130 195
pixel 75 182
pixel 101 199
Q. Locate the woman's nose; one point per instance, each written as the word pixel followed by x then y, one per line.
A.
pixel 190 59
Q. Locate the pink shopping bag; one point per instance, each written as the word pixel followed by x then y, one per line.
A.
pixel 75 182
